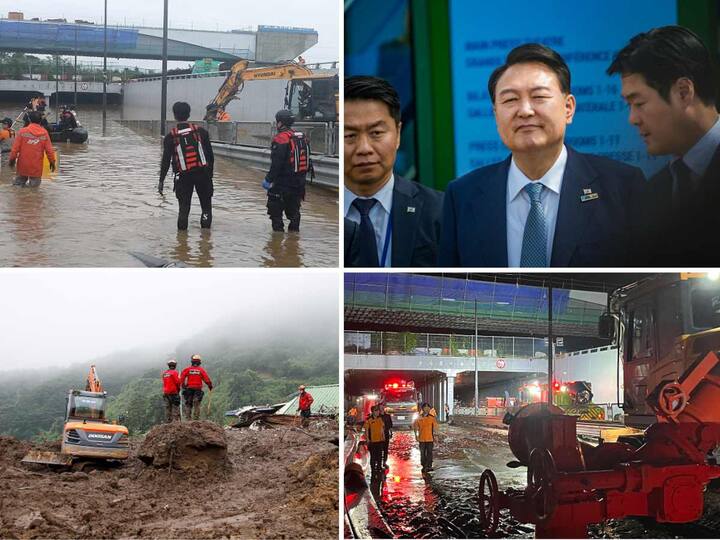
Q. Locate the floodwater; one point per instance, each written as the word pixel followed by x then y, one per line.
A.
pixel 443 504
pixel 103 204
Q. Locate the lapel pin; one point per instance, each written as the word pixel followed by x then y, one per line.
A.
pixel 410 209
pixel 589 195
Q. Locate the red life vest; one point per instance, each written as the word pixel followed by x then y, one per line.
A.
pixel 193 377
pixel 299 155
pixel 188 153
pixel 171 382
pixel 305 401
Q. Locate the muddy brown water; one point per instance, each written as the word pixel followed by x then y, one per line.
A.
pixel 103 204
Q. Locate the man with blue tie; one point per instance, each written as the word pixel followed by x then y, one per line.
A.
pixel 546 204
pixel 398 220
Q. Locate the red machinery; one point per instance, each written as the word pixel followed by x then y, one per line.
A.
pixel 571 484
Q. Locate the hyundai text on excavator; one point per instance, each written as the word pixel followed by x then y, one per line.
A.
pixel 87 433
pixel 667 329
pixel 310 96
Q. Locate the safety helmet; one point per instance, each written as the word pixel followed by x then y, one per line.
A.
pixel 285 117
pixel 195 359
pixel 301 387
pixel 7 121
pixel 172 363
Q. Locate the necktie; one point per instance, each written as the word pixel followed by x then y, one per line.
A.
pixel 683 185
pixel 534 246
pixel 368 244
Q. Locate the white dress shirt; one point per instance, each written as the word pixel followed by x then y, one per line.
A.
pixel 379 216
pixel 518 206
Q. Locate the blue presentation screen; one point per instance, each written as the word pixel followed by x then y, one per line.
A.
pixel 586 33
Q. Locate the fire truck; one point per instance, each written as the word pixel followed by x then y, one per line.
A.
pixel 663 325
pixel 401 402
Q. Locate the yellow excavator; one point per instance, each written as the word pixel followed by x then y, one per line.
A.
pixel 311 96
pixel 87 433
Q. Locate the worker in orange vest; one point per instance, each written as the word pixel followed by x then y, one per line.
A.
pixel 375 436
pixel 31 145
pixel 426 428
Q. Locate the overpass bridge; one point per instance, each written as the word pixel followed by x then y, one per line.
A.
pixel 266 44
pixel 444 364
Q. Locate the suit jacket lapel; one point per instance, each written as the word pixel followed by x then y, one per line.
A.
pixel 490 217
pixel 574 215
pixel 404 222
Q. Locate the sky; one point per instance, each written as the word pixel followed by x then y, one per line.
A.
pixel 61 317
pixel 321 15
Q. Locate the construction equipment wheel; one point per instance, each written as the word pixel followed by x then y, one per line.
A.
pixel 540 473
pixel 489 502
pixel 672 400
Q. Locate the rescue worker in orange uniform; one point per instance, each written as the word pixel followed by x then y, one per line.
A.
pixel 305 401
pixel 31 144
pixel 222 116
pixel 192 379
pixel 375 436
pixel 188 147
pixel 6 134
pixel 171 392
pixel 285 181
pixel 425 428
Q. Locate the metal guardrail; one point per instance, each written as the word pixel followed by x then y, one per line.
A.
pixel 316 66
pixel 323 136
pixel 411 343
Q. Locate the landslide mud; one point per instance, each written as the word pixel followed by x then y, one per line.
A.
pixel 275 483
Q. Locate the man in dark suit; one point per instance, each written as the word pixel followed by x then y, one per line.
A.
pixel 668 82
pixel 398 220
pixel 546 204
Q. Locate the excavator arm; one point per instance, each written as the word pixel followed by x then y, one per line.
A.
pixel 240 73
pixel 92 383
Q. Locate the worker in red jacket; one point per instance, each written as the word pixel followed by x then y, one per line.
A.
pixel 192 379
pixel 171 392
pixel 304 402
pixel 31 145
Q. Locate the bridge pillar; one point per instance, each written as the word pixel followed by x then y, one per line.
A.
pixel 450 381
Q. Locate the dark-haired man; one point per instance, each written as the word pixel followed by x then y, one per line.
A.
pixel 668 83
pixel 546 204
pixel 188 147
pixel 398 220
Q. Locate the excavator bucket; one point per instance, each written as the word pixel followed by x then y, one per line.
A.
pixel 47 458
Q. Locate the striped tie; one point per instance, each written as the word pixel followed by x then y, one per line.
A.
pixel 534 246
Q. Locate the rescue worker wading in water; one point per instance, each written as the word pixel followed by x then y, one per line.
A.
pixel 31 144
pixel 285 182
pixel 171 392
pixel 188 147
pixel 192 379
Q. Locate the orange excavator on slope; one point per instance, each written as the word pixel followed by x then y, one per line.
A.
pixel 87 433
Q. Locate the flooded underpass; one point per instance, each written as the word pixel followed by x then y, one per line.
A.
pixel 444 504
pixel 103 204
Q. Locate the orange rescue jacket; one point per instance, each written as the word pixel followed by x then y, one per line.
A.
pixel 31 143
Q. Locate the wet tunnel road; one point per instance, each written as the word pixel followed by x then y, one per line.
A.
pixel 443 504
pixel 103 203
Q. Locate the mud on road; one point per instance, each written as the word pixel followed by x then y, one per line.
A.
pixel 444 503
pixel 278 483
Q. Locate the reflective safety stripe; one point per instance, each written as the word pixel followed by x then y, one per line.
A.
pixel 201 152
pixel 181 158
